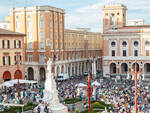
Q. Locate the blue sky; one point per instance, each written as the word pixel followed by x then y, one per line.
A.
pixel 83 13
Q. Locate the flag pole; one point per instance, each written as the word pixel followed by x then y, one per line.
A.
pixel 135 88
pixel 93 69
pixel 89 92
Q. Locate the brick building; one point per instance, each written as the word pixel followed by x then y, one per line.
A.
pixel 11 55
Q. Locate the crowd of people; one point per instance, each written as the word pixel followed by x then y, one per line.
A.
pixel 120 95
pixel 27 93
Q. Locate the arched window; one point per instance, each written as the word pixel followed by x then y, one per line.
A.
pixel 113 44
pixel 124 43
pixel 136 43
pixel 112 19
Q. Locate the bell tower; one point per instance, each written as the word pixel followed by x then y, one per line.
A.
pixel 114 16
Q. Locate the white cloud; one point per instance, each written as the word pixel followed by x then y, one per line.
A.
pixel 91 15
pixel 88 16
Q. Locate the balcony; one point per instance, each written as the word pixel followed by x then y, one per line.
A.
pixel 29 50
pixel 41 50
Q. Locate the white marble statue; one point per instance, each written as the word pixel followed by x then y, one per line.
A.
pixel 51 93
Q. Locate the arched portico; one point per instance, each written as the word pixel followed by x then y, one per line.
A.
pixel 42 74
pixel 30 73
pixel 124 68
pixel 113 68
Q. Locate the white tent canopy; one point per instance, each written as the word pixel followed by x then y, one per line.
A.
pixel 12 82
pixel 81 85
pixel 6 84
pixel 95 83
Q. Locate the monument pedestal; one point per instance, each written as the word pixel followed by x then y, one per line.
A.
pixel 51 94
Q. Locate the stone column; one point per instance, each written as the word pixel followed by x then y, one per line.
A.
pixel 81 68
pixel 71 69
pixel 60 68
pixel 78 68
pixel 64 68
pixel 36 73
pixel 56 71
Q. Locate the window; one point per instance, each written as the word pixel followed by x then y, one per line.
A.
pixel 30 58
pixel 56 24
pixel 50 25
pixel 28 16
pixel 135 52
pixel 113 52
pixel 56 45
pixel 30 45
pixel 56 35
pixel 41 24
pixel 61 25
pixel 52 44
pixel 8 44
pixel 124 43
pixel 148 67
pixel 17 44
pixel 124 53
pixel 6 60
pixel 5 44
pixel 51 35
pixel 147 52
pixel 60 35
pixel 42 58
pixel 41 34
pixel 17 24
pixel 113 44
pixel 136 43
pixel 29 35
pixel 41 45
pixel 29 24
pixel 41 17
pixel 18 59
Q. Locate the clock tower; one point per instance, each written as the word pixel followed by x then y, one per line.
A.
pixel 114 15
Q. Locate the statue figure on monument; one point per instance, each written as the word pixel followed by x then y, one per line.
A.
pixel 51 93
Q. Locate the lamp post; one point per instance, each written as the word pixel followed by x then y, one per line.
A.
pixel 135 88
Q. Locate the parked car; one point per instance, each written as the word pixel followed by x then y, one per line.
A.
pixel 62 77
pixel 85 73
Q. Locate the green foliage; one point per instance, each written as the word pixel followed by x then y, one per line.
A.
pixel 96 104
pixel 72 101
pixel 77 110
pixel 20 102
pixel 97 107
pixel 13 109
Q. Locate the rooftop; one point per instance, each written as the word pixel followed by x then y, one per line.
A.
pixel 39 8
pixel 8 32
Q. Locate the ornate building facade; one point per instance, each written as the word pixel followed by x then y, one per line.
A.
pixel 126 45
pixel 11 55
pixel 46 36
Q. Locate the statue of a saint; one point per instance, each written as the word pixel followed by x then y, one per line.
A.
pixel 49 66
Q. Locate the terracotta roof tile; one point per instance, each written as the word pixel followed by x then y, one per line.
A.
pixel 8 32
